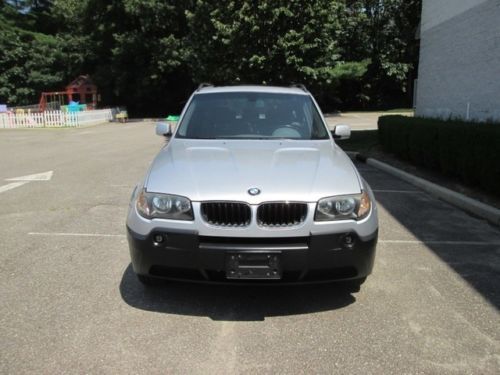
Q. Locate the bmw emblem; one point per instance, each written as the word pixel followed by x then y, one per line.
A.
pixel 254 191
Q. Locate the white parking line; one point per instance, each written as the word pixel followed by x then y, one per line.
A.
pixel 472 243
pixel 23 180
pixel 59 234
pixel 12 185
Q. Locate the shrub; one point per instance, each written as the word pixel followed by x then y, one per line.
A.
pixel 465 150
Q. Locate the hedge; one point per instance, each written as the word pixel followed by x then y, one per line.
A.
pixel 465 150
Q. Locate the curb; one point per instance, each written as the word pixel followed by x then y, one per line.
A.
pixel 469 205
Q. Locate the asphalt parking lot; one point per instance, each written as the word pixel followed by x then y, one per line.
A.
pixel 70 301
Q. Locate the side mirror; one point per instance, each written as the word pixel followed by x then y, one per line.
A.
pixel 163 129
pixel 341 132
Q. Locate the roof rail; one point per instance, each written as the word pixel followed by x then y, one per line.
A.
pixel 204 84
pixel 299 86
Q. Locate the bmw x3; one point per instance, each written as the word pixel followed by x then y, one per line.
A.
pixel 252 187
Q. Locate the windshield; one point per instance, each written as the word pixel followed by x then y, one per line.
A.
pixel 252 115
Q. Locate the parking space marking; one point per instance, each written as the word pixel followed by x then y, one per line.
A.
pixel 432 242
pixel 60 234
pixel 23 180
pixel 45 176
pixel 12 185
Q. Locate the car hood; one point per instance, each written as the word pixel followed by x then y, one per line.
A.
pixel 225 169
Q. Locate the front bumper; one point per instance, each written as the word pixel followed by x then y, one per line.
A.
pixel 186 255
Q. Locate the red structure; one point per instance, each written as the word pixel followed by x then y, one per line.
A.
pixel 81 90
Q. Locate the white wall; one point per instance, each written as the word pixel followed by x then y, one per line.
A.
pixel 435 12
pixel 460 60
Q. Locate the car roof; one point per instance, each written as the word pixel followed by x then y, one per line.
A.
pixel 252 88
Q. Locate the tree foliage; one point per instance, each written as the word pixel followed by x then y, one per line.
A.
pixel 268 42
pixel 149 54
pixel 31 61
pixel 385 32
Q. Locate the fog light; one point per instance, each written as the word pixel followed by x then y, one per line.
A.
pixel 348 241
pixel 158 238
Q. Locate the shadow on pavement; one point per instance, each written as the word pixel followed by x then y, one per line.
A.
pixel 233 303
pixel 469 246
pixel 432 221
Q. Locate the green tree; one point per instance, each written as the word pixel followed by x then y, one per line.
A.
pixel 30 61
pixel 273 42
pixel 149 54
pixel 135 51
pixel 383 31
pixel 149 57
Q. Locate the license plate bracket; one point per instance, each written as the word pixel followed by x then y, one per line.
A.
pixel 253 265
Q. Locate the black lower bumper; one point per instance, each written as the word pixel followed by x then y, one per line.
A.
pixel 184 255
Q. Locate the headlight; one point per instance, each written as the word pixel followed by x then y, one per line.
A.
pixel 344 207
pixel 163 206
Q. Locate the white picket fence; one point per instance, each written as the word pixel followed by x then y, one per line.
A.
pixel 54 119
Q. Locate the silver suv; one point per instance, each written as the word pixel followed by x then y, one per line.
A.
pixel 252 187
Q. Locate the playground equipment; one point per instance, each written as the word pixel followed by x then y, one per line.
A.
pixel 122 116
pixel 81 90
pixel 52 100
